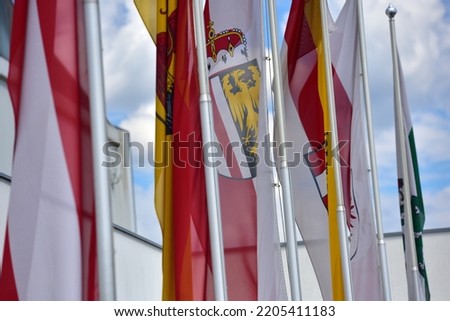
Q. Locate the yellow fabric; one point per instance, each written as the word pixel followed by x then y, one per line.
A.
pixel 147 10
pixel 157 23
pixel 313 15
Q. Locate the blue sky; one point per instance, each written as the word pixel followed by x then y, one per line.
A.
pixel 424 46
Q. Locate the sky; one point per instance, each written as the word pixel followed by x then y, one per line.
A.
pixel 423 29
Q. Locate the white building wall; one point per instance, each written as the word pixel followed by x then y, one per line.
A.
pixel 121 182
pixel 138 268
pixel 437 260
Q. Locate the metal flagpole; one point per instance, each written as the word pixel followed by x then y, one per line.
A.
pixel 341 216
pixel 413 274
pixel 373 161
pixel 293 266
pixel 212 185
pixel 98 128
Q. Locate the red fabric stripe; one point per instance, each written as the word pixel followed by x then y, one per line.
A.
pixel 63 38
pixel 299 44
pixel 8 290
pixel 191 237
pixel 86 186
pixel 238 205
pixel 298 36
pixel 344 112
pixel 59 34
pixel 17 54
pixel 300 40
pixel 309 108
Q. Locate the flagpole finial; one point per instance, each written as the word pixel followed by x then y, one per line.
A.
pixel 391 11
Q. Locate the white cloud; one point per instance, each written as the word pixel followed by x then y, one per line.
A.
pixel 141 126
pixel 385 147
pixel 437 208
pixel 391 212
pixel 128 57
pixel 147 222
pixel 335 7
pixel 424 47
pixel 432 132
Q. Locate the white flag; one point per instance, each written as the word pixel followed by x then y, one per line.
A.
pixel 235 50
pixel 306 128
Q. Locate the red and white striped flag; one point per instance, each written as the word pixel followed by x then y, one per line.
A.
pixel 50 248
pixel 306 122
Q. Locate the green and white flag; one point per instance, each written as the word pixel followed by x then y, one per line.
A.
pixel 418 212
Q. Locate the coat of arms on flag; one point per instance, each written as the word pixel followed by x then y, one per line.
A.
pixel 235 61
pixel 236 91
pixel 237 94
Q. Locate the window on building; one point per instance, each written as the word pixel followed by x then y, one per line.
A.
pixel 6 9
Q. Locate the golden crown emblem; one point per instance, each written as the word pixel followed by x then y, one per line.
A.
pixel 226 40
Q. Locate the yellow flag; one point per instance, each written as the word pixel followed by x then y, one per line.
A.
pixel 158 16
pixel 147 10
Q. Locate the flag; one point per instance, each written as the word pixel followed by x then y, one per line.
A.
pixel 165 26
pixel 165 73
pixel 417 206
pixel 180 193
pixel 363 242
pixel 50 247
pixel 235 56
pixel 307 127
pixel 148 10
pixel 192 258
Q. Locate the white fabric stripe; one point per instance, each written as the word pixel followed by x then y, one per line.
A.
pixel 321 181
pixel 346 59
pixel 43 223
pixel 311 214
pixel 407 130
pixel 223 167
